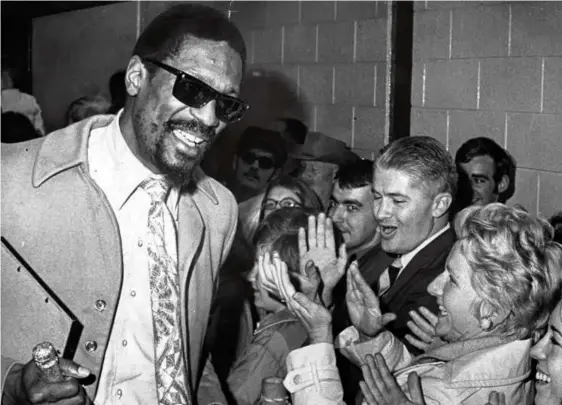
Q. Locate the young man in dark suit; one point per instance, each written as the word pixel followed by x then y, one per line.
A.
pixel 414 183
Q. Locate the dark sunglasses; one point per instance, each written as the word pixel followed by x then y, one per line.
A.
pixel 194 93
pixel 263 161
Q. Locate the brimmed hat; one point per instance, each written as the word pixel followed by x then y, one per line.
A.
pixel 263 139
pixel 322 148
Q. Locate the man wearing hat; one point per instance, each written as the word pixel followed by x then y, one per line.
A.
pixel 320 156
pixel 260 155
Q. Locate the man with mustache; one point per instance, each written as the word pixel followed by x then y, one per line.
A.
pixel 118 220
pixel 486 173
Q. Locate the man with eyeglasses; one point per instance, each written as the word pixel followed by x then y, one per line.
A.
pixel 259 157
pixel 117 220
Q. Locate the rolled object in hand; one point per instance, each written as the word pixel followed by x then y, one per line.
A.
pixel 47 360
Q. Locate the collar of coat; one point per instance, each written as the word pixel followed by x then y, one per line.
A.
pixel 486 359
pixel 68 147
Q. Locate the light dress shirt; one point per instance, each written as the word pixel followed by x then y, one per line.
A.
pixel 128 374
pixel 384 280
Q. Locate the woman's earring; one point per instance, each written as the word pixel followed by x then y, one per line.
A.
pixel 486 324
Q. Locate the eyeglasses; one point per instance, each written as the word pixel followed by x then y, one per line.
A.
pixel 195 93
pixel 288 202
pixel 264 162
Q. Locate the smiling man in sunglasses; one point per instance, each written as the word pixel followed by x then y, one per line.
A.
pixel 119 222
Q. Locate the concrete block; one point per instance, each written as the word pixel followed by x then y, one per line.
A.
pixel 535 140
pixel 552 96
pixel 464 125
pixel 371 40
pixel 368 130
pixel 245 14
pixel 300 44
pixel 318 11
pixel 549 194
pixel 380 85
pixel 536 28
pixel 526 184
pixel 281 12
pixel 512 84
pixel 335 121
pixel 355 84
pixel 420 5
pixel 431 34
pixel 429 123
pixel 316 84
pixel 356 10
pixel 267 45
pixel 480 31
pixel 417 96
pixel 451 84
pixel 335 42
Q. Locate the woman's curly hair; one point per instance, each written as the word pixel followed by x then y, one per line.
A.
pixel 516 266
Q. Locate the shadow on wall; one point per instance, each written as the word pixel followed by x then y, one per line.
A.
pixel 271 95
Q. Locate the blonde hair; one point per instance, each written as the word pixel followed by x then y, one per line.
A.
pixel 515 264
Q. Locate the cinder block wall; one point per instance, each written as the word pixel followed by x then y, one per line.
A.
pixel 494 69
pixel 329 55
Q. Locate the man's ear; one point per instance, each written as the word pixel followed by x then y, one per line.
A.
pixel 135 75
pixel 503 184
pixel 441 204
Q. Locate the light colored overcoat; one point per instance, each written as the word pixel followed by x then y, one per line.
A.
pixel 60 221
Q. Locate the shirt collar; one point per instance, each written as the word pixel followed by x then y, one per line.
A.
pixel 68 147
pixel 406 258
pixel 129 171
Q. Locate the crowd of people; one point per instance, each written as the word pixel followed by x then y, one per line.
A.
pixel 407 279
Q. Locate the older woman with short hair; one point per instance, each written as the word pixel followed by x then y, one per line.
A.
pixel 496 291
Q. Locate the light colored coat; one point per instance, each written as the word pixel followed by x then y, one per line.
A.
pixel 463 373
pixel 60 221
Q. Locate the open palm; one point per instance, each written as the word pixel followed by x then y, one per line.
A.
pixel 320 247
pixel 363 305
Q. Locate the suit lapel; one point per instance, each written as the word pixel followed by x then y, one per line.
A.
pixel 419 261
pixel 190 237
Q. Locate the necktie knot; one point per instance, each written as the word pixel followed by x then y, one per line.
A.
pixel 157 189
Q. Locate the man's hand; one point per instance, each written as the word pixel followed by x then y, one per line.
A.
pixel 380 387
pixel 423 328
pixel 320 248
pixel 25 386
pixel 363 305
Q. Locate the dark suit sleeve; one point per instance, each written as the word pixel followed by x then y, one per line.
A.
pixel 399 327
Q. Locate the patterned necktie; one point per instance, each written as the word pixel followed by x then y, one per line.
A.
pixel 165 298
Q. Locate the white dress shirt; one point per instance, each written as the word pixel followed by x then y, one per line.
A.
pixel 128 374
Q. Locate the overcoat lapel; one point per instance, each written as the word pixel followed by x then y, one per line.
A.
pixel 191 230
